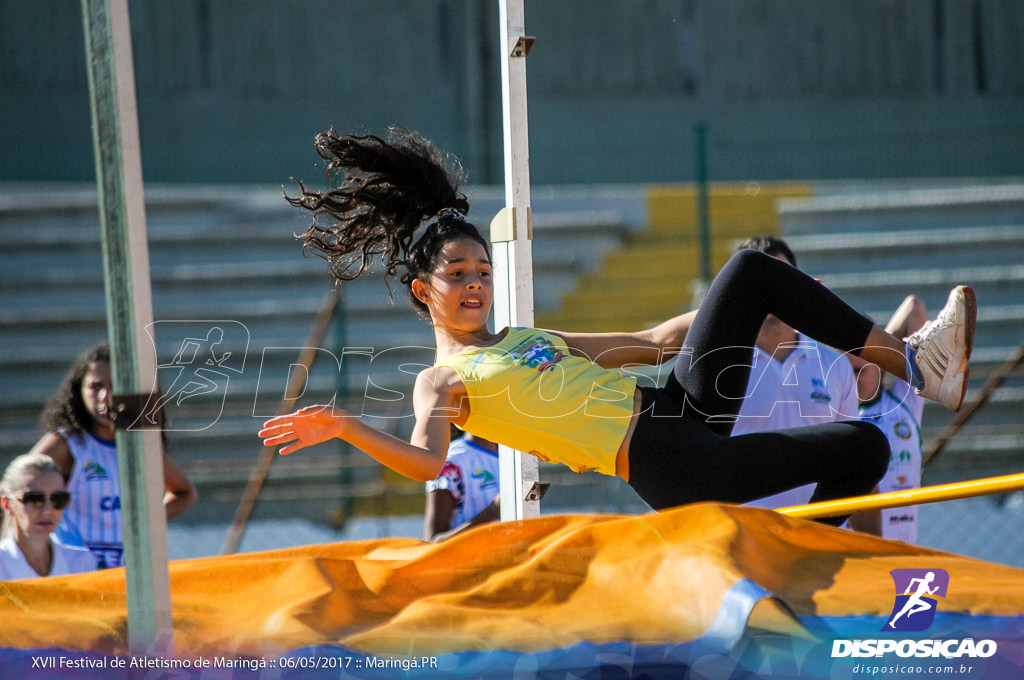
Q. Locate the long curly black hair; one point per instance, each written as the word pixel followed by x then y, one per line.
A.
pixel 66 409
pixel 386 188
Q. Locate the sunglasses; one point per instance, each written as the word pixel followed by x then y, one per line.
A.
pixel 36 499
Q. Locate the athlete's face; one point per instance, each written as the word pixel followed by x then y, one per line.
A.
pixel 35 522
pixel 97 392
pixel 460 290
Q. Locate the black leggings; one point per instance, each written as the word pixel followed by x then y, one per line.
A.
pixel 682 451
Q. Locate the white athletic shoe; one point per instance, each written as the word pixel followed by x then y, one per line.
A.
pixel 942 348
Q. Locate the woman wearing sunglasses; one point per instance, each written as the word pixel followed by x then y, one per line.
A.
pixel 33 498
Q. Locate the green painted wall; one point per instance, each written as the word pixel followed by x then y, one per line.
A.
pixel 235 90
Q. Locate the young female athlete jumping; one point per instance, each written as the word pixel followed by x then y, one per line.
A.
pixel 554 394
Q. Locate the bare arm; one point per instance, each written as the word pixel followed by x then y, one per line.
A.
pixel 421 458
pixel 440 505
pixel 56 447
pixel 180 494
pixel 437 516
pixel 615 350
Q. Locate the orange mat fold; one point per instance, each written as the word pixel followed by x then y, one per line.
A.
pixel 546 583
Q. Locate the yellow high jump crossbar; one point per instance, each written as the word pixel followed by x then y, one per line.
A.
pixel 898 499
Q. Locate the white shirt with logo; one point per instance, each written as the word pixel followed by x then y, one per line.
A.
pixel 470 474
pixel 897 412
pixel 814 384
pixel 93 518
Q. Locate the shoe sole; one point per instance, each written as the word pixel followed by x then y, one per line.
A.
pixel 971 303
pixel 971 307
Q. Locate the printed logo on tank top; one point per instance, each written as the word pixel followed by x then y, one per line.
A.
pixel 94 472
pixel 539 353
pixel 485 477
pixel 901 460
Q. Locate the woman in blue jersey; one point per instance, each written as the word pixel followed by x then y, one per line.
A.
pixel 79 436
pixel 556 394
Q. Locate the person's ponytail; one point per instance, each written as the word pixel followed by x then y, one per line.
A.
pixel 386 188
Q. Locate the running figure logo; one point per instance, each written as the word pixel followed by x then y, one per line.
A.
pixel 201 365
pixel 915 606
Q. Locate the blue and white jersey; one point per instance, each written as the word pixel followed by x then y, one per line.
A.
pixel 93 519
pixel 897 412
pixel 470 474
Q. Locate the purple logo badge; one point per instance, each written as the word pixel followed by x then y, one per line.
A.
pixel 916 590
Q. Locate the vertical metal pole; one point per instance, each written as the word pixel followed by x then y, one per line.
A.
pixel 129 304
pixel 700 154
pixel 344 448
pixel 511 235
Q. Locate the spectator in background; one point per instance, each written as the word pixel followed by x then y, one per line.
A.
pixel 466 493
pixel 79 436
pixel 33 499
pixel 896 410
pixel 794 382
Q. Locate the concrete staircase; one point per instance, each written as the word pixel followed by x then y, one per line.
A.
pixel 652 276
pixel 876 246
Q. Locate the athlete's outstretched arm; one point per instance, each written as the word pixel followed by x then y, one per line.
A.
pixel 421 458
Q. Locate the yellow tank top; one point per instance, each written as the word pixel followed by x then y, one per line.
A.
pixel 528 392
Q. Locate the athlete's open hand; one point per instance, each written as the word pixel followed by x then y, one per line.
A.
pixel 306 427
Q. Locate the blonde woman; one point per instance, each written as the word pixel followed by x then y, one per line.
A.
pixel 33 500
